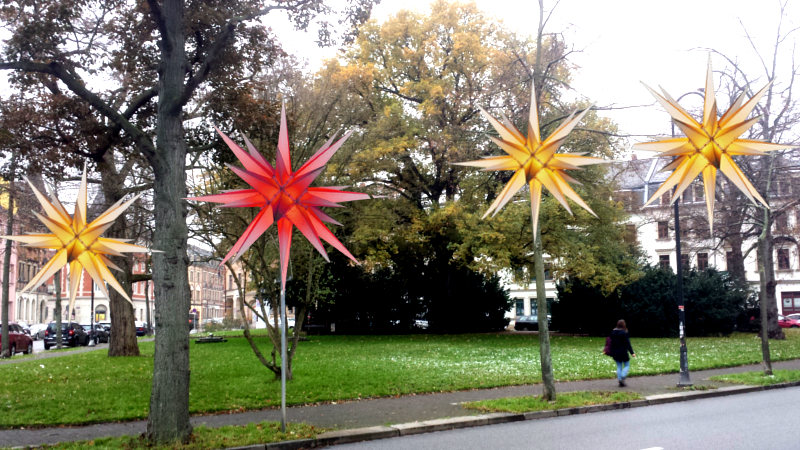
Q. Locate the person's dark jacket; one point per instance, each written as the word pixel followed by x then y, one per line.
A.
pixel 620 345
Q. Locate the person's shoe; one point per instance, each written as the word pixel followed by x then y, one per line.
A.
pixel 621 383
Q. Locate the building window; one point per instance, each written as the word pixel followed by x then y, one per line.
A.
pixel 685 228
pixel 699 193
pixel 100 313
pixel 663 230
pixel 702 261
pixel 663 261
pixel 630 234
pixel 685 261
pixel 665 199
pixel 783 259
pixel 781 222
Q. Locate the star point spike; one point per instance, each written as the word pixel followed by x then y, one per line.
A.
pixel 77 243
pixel 709 146
pixel 285 197
pixel 535 161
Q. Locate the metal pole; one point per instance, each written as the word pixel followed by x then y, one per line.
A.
pixel 684 355
pixel 283 359
pixel 91 321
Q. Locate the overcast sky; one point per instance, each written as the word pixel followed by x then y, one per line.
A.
pixel 624 42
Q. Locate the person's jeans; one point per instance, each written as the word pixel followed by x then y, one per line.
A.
pixel 622 369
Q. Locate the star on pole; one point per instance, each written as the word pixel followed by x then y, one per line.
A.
pixel 78 243
pixel 535 161
pixel 709 145
pixel 285 197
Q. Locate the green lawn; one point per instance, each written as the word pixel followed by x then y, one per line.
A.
pixel 565 400
pixel 759 379
pixel 203 438
pixel 90 387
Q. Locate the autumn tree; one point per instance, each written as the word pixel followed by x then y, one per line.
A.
pixel 165 56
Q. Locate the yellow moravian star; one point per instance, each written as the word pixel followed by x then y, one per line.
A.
pixel 77 242
pixel 709 146
pixel 534 161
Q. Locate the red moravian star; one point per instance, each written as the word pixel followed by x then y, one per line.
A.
pixel 284 197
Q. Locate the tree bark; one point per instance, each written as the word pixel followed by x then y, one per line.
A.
pixel 548 380
pixel 121 310
pixel 169 402
pixel 147 307
pixel 736 268
pixel 57 309
pixel 6 343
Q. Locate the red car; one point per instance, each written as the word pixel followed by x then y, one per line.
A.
pixel 20 342
pixel 786 322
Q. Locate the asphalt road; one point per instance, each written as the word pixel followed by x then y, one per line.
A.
pixel 762 420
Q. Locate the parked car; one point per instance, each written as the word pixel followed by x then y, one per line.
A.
pixel 528 323
pixel 141 328
pixel 786 322
pixel 72 335
pixel 99 334
pixel 37 331
pixel 24 327
pixel 794 316
pixel 20 342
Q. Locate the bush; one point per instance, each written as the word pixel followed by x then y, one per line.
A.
pixel 715 304
pixel 452 299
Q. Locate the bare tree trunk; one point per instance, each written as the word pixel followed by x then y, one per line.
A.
pixel 736 267
pixel 6 343
pixel 57 309
pixel 169 402
pixel 762 251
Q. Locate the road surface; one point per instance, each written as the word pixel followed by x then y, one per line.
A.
pixel 762 420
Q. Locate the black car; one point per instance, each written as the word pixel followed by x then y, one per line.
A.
pixel 100 334
pixel 72 335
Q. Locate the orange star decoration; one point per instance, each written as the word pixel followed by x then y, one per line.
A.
pixel 535 162
pixel 709 146
pixel 77 243
pixel 284 197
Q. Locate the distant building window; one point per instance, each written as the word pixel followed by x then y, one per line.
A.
pixel 684 261
pixel 663 230
pixel 702 261
pixel 783 259
pixel 781 222
pixel 729 261
pixel 630 234
pixel 663 261
pixel 699 194
pixel 665 199
pixel 520 307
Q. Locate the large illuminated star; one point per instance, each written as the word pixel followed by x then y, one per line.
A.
pixel 534 161
pixel 77 242
pixel 284 197
pixel 709 146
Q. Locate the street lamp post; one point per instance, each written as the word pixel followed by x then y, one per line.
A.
pixel 684 377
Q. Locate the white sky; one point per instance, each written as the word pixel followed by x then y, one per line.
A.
pixel 624 42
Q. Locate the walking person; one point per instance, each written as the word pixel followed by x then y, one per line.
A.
pixel 620 346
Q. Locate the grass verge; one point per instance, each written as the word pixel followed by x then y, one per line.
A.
pixel 203 438
pixel 564 400
pixel 759 379
pixel 228 377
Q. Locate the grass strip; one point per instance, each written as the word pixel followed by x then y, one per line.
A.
pixel 203 438
pixel 564 400
pixel 227 376
pixel 759 379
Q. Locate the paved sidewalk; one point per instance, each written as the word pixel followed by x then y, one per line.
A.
pixel 365 413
